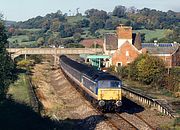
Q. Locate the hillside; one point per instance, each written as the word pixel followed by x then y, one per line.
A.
pixel 9 23
pixel 59 29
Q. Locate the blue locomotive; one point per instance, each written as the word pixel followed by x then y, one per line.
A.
pixel 101 88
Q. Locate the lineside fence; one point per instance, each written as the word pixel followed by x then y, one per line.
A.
pixel 34 101
pixel 160 105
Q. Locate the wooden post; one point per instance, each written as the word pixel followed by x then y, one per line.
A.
pixel 25 56
pixel 55 57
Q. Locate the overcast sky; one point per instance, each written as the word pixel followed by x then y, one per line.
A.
pixel 20 10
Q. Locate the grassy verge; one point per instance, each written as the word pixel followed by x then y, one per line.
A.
pixel 19 89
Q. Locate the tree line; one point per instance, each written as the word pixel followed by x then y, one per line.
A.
pixel 54 27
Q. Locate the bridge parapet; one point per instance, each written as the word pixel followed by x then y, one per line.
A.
pixel 53 51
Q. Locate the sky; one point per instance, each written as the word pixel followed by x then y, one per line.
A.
pixel 21 10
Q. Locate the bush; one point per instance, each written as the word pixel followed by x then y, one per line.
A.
pixel 123 71
pixel 37 58
pixel 112 69
pixel 171 83
pixel 24 63
pixel 149 69
pixel 177 121
pixel 146 69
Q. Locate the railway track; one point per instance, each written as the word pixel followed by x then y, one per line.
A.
pixel 119 121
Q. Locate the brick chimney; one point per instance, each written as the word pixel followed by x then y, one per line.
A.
pixel 124 34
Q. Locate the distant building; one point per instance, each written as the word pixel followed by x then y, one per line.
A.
pixel 123 46
pixel 90 43
pixel 168 52
pixel 126 54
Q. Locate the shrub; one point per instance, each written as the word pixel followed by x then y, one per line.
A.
pixel 149 69
pixel 123 71
pixel 112 69
pixel 24 63
pixel 177 121
pixel 37 58
pixel 146 69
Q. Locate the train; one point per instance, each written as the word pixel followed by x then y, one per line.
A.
pixel 101 88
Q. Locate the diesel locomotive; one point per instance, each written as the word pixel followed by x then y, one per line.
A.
pixel 103 89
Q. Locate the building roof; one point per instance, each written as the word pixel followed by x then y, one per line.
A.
pixel 111 41
pixel 136 40
pixel 90 42
pixel 161 48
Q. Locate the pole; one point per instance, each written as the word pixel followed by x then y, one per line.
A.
pixel 25 57
pixel 55 54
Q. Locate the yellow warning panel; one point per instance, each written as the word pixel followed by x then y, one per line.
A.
pixel 109 94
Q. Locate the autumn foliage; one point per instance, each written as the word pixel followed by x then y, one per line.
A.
pixel 150 70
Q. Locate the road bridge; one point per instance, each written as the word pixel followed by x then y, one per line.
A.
pixel 15 52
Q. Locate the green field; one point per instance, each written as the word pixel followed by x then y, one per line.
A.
pixel 32 30
pixel 20 41
pixel 150 34
pixel 19 38
pixel 74 19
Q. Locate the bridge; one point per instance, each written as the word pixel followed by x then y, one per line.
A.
pixel 15 52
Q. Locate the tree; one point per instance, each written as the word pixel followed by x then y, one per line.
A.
pixel 95 26
pixel 149 69
pixel 77 37
pixel 66 30
pixel 83 23
pixel 55 25
pixel 96 14
pixel 109 25
pixel 40 41
pixel 6 64
pixel 120 11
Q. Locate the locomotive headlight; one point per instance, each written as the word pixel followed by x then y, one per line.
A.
pixel 101 103
pixel 118 103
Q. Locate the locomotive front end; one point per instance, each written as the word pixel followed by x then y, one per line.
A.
pixel 109 94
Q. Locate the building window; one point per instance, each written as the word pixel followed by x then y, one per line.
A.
pixel 127 63
pixel 119 64
pixel 127 53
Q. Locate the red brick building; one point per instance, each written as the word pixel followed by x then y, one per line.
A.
pixel 123 47
pixel 168 52
pixel 126 54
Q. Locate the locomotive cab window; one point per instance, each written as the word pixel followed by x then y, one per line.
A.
pixel 109 84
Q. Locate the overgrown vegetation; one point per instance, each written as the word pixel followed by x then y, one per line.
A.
pixel 19 90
